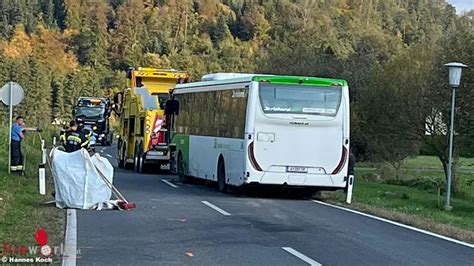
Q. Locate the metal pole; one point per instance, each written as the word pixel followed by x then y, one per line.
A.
pixel 10 132
pixel 450 162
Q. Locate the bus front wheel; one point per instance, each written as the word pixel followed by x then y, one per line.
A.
pixel 221 177
pixel 183 178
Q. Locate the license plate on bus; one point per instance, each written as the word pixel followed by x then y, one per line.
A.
pixel 296 169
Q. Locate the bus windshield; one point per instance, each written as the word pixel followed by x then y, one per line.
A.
pixel 300 99
pixel 90 112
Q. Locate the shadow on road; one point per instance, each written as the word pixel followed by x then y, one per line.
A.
pixel 256 191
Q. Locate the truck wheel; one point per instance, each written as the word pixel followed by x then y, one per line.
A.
pixel 121 155
pixel 221 176
pixel 141 164
pixel 183 178
pixel 136 159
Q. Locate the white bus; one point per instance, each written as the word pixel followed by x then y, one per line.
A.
pixel 239 129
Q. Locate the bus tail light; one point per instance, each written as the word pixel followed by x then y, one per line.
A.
pixel 342 162
pixel 252 158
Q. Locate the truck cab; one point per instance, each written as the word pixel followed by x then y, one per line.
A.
pixel 94 113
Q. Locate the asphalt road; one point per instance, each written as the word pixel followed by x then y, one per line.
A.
pixel 195 225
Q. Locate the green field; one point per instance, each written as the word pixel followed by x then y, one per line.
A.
pixel 22 209
pixel 411 196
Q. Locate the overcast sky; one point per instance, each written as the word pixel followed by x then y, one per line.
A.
pixel 462 4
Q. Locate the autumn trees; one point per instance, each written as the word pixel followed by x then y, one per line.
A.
pixel 390 51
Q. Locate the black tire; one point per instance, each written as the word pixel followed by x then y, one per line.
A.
pixel 173 166
pixel 183 178
pixel 222 185
pixel 141 163
pixel 121 155
pixel 136 158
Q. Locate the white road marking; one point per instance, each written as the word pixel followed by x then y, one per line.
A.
pixel 301 256
pixel 102 150
pixel 169 183
pixel 397 224
pixel 212 206
pixel 70 241
pixel 108 155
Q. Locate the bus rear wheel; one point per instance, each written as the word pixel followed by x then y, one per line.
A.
pixel 221 177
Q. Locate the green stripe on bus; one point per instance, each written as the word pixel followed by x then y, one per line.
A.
pixel 300 80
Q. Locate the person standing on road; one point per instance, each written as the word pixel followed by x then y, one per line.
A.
pixel 75 138
pixel 64 131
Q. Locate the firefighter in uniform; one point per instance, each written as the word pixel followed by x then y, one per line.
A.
pixel 88 131
pixel 64 131
pixel 75 139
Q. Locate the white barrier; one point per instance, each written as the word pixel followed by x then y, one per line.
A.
pixel 350 185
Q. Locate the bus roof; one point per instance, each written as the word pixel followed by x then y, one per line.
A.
pixel 228 78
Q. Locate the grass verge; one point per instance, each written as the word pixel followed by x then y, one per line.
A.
pixel 21 207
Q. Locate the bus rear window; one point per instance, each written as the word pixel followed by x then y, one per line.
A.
pixel 300 99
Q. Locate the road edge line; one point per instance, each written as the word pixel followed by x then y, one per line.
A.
pixel 397 224
pixel 70 239
pixel 214 207
pixel 169 183
pixel 301 256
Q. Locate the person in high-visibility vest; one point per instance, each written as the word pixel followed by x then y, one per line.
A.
pixel 64 131
pixel 88 131
pixel 75 139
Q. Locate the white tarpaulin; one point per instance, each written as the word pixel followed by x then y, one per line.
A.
pixel 77 182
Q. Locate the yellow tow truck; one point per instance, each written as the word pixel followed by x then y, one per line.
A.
pixel 143 136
